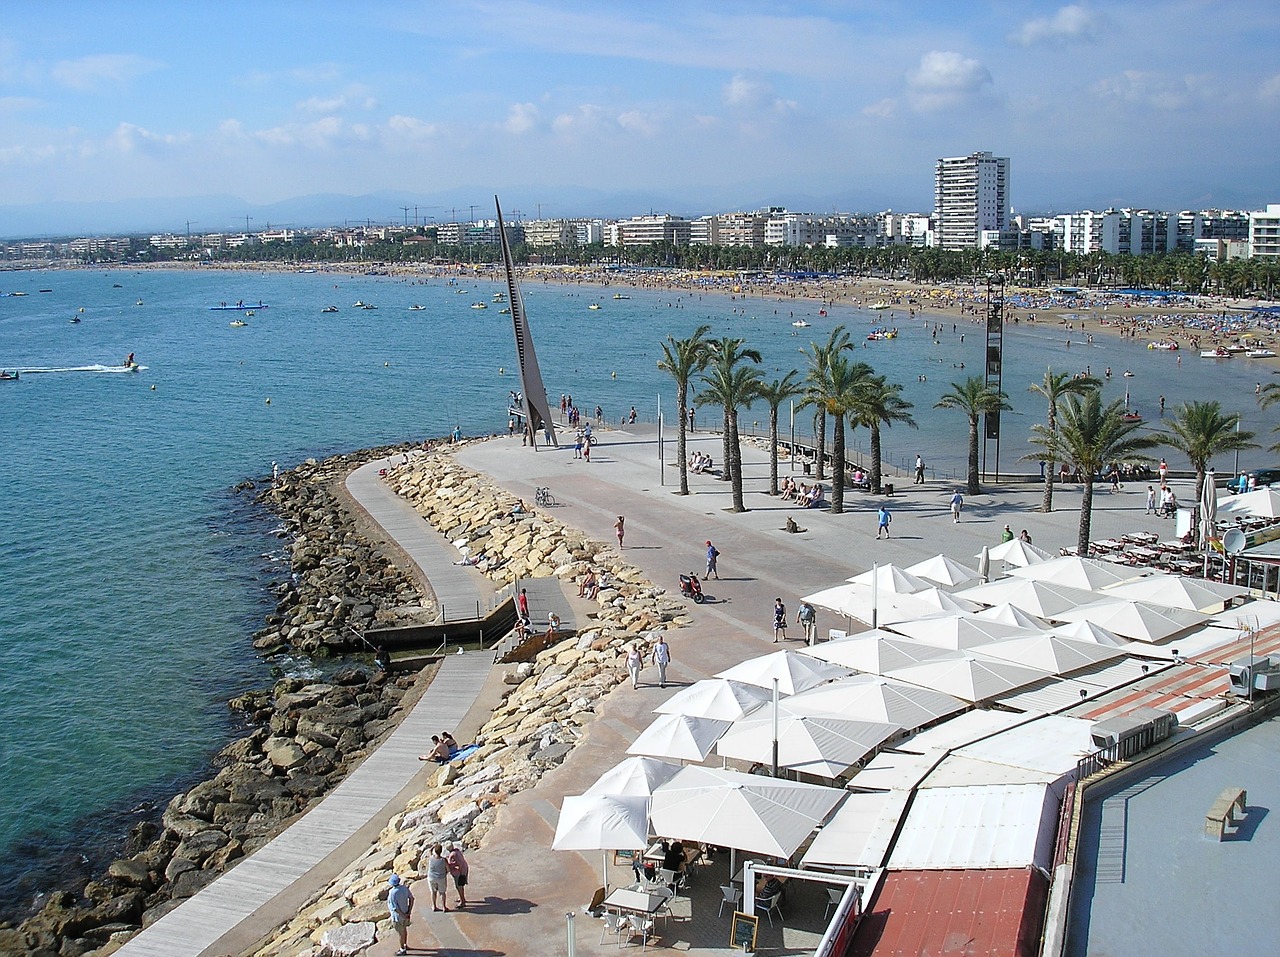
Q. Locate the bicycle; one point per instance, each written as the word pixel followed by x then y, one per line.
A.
pixel 543 498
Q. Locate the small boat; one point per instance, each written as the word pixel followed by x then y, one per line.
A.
pixel 1260 354
pixel 329 309
pixel 479 305
pixel 116 285
pixel 1215 354
pixel 417 307
pixel 138 303
pixel 1131 417
pixel 250 312
pixel 17 293
pixel 74 319
pixel 877 334
pixel 233 306
pixel 499 296
pixel 44 290
pixel 881 304
pixel 368 305
pixel 238 323
pixel 800 324
pixel 1168 345
pixel 8 376
pixel 618 295
pixel 594 305
pixel 505 311
pixel 358 304
pixel 1128 374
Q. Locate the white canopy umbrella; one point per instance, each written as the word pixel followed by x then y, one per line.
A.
pixel 1177 592
pixel 814 744
pixel 1073 571
pixel 1260 503
pixel 1139 620
pixel 959 631
pixel 857 601
pixel 890 579
pixel 1088 631
pixel 1051 653
pixel 1208 508
pixel 748 812
pixel 875 698
pixel 602 822
pixel 1010 615
pixel 970 678
pixel 634 777
pixel 715 698
pixel 679 736
pixel 943 571
pixel 795 672
pixel 1038 598
pixel 877 652
pixel 1016 552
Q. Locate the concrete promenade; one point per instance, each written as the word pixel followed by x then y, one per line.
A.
pixel 234 912
pixel 520 888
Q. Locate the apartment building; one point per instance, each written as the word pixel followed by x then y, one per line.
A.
pixel 1264 233
pixel 970 196
pixel 647 230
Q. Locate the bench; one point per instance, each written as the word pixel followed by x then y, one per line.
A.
pixel 1223 812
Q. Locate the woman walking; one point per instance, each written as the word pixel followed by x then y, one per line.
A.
pixel 619 529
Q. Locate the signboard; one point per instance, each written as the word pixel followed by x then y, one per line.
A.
pixel 742 932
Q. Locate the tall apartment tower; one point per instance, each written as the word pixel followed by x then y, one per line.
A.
pixel 970 195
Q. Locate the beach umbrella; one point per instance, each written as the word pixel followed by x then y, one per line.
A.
pixel 943 571
pixel 891 580
pixel 1178 592
pixel 970 678
pixel 1016 552
pixel 602 822
pixel 1010 615
pixel 1073 571
pixel 1208 509
pixel 959 631
pixel 1260 503
pixel 984 564
pixel 864 697
pixel 717 698
pixel 857 601
pixel 794 672
pixel 1139 620
pixel 679 736
pixel 747 812
pixel 634 777
pixel 876 652
pixel 1037 598
pixel 815 744
pixel 1051 653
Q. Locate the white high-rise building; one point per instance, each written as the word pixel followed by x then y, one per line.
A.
pixel 1264 232
pixel 970 197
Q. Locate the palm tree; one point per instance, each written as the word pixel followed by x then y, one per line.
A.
pixel 775 393
pixel 819 355
pixel 879 403
pixel 1268 397
pixel 1055 387
pixel 681 358
pixel 975 398
pixel 1090 437
pixel 836 394
pixel 1202 430
pixel 731 384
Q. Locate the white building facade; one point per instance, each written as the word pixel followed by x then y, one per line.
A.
pixel 970 196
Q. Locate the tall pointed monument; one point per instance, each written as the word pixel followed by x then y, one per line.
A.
pixel 537 414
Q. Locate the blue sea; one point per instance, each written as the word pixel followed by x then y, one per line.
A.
pixel 133 575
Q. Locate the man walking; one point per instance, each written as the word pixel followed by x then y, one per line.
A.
pixel 919 470
pixel 662 658
pixel 1151 500
pixel 460 870
pixel 883 518
pixel 957 503
pixel 400 906
pixel 808 619
pixel 712 554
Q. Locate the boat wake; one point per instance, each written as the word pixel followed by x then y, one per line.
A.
pixel 119 370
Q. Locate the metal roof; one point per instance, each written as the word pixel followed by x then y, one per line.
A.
pixel 983 826
pixel 859 834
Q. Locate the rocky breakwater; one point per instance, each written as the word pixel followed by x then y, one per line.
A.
pixel 303 735
pixel 549 702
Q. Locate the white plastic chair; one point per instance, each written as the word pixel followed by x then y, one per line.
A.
pixel 614 924
pixel 770 906
pixel 670 879
pixel 732 897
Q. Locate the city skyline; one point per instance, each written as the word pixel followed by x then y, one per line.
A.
pixel 147 115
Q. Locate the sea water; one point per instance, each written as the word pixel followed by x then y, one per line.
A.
pixel 132 575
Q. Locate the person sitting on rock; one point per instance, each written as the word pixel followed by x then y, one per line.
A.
pixel 447 739
pixel 589 586
pixel 439 751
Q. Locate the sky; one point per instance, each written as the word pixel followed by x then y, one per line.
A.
pixel 689 107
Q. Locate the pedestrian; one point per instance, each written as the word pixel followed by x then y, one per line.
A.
pixel 635 661
pixel 919 470
pixel 586 448
pixel 1006 534
pixel 1151 500
pixel 600 415
pixel 1025 536
pixel 957 503
pixel 631 416
pixel 522 604
pixel 712 554
pixel 577 445
pixel 437 878
pixel 620 529
pixel 460 870
pixel 662 657
pixel 690 418
pixel 808 619
pixel 779 619
pixel 883 518
pixel 400 906
pixel 1164 472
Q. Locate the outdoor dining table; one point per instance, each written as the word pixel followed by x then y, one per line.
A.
pixel 1177 545
pixel 1149 554
pixel 627 901
pixel 1142 538
pixel 1109 545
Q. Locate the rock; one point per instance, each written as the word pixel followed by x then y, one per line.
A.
pixel 348 939
pixel 130 872
pixel 284 754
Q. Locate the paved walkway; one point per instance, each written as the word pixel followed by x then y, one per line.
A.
pixel 243 905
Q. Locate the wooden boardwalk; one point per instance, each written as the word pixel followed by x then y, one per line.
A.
pixel 366 795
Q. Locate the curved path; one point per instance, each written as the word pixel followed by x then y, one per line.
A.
pixel 244 904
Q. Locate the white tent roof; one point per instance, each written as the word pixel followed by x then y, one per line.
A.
pixel 1038 598
pixel 993 826
pixel 1076 572
pixel 1010 615
pixel 877 652
pixel 970 678
pixel 943 571
pixel 679 736
pixel 1088 631
pixel 602 822
pixel 856 601
pixel 1140 620
pixel 890 579
pixel 958 631
pixel 795 672
pixel 1050 653
pixel 1261 503
pixel 716 698
pixel 1016 552
pixel 814 744
pixel 859 834
pixel 1052 744
pixel 635 777
pixel 749 812
pixel 1177 592
pixel 874 698
pixel 895 771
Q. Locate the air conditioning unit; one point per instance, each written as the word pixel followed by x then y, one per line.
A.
pixel 1262 674
pixel 1115 731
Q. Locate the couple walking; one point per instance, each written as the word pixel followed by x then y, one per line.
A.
pixel 661 656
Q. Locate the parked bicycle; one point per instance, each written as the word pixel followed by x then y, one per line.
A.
pixel 543 498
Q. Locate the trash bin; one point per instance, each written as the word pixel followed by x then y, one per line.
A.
pixel 888 488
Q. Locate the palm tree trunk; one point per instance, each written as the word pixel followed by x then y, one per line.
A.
pixel 726 474
pixel 1086 515
pixel 1047 504
pixel 735 450
pixel 837 472
pixel 773 450
pixel 682 400
pixel 973 487
pixel 1200 477
pixel 821 443
pixel 875 459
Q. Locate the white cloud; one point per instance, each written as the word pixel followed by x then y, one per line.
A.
pixel 409 127
pixel 748 93
pixel 521 118
pixel 315 104
pixel 128 138
pixel 945 79
pixel 637 121
pixel 1270 89
pixel 91 73
pixel 1068 25
pixel 1157 91
pixel 585 117
pixel 881 108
